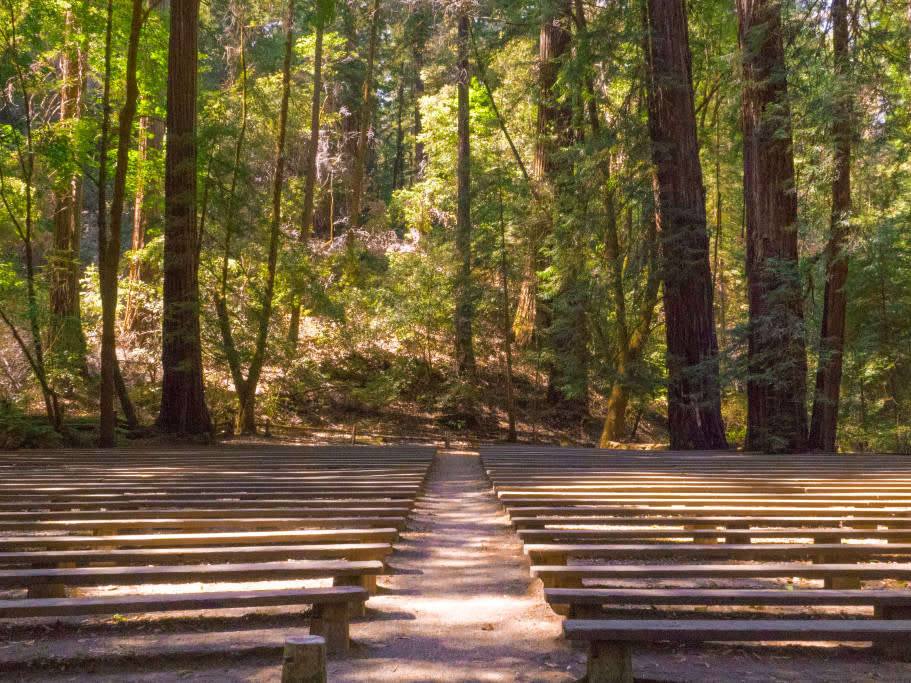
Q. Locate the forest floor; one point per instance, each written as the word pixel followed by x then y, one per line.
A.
pixel 460 606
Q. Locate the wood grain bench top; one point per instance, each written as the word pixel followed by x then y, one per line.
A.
pixel 85 525
pixel 685 510
pixel 726 596
pixel 701 630
pixel 350 551
pixel 260 571
pixel 126 604
pixel 114 502
pixel 723 551
pixel 726 571
pixel 729 521
pixel 233 512
pixel 821 534
pixel 378 535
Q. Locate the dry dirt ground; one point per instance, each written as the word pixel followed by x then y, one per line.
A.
pixel 459 607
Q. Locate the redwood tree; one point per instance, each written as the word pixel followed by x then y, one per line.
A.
pixel 777 363
pixel 694 398
pixel 824 422
pixel 183 402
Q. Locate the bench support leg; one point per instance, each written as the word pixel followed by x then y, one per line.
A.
pixel 46 590
pixel 304 660
pixel 842 583
pixel 367 581
pixel 331 622
pixel 609 663
pixel 892 649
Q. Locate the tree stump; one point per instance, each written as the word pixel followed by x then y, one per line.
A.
pixel 304 660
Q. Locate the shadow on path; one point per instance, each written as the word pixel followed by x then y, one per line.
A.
pixel 475 613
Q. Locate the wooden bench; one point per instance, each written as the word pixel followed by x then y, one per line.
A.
pixel 833 575
pixel 109 527
pixel 734 536
pixel 589 603
pixel 232 538
pixel 558 554
pixel 258 553
pixel 329 617
pixel 342 572
pixel 610 640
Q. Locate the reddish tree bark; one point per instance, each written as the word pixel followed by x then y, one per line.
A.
pixel 183 403
pixel 776 387
pixel 694 398
pixel 824 422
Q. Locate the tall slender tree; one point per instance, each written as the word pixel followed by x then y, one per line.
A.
pixel 369 96
pixel 824 421
pixel 465 360
pixel 325 10
pixel 776 387
pixel 67 340
pixel 694 395
pixel 183 403
pixel 109 230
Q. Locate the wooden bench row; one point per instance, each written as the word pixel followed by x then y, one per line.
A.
pixel 332 607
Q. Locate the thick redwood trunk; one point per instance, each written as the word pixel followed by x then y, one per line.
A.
pixel 776 388
pixel 183 402
pixel 824 423
pixel 694 398
pixel 464 348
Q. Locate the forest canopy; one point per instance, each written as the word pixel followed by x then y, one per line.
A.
pixel 596 221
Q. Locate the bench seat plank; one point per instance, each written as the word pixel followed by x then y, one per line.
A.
pixel 726 571
pixel 350 551
pixel 127 604
pixel 726 596
pixel 702 630
pixel 377 535
pixel 262 571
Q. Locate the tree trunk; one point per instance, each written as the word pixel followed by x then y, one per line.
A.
pixel 776 387
pixel 553 122
pixel 66 336
pixel 824 422
pixel 420 158
pixel 694 397
pixel 360 163
pixel 246 392
pixel 312 148
pixel 464 348
pixel 146 212
pixel 630 343
pixel 109 239
pixel 183 402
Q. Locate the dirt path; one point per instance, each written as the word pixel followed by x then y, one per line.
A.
pixel 461 605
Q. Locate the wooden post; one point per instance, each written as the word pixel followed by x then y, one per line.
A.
pixel 609 663
pixel 331 622
pixel 842 583
pixel 304 660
